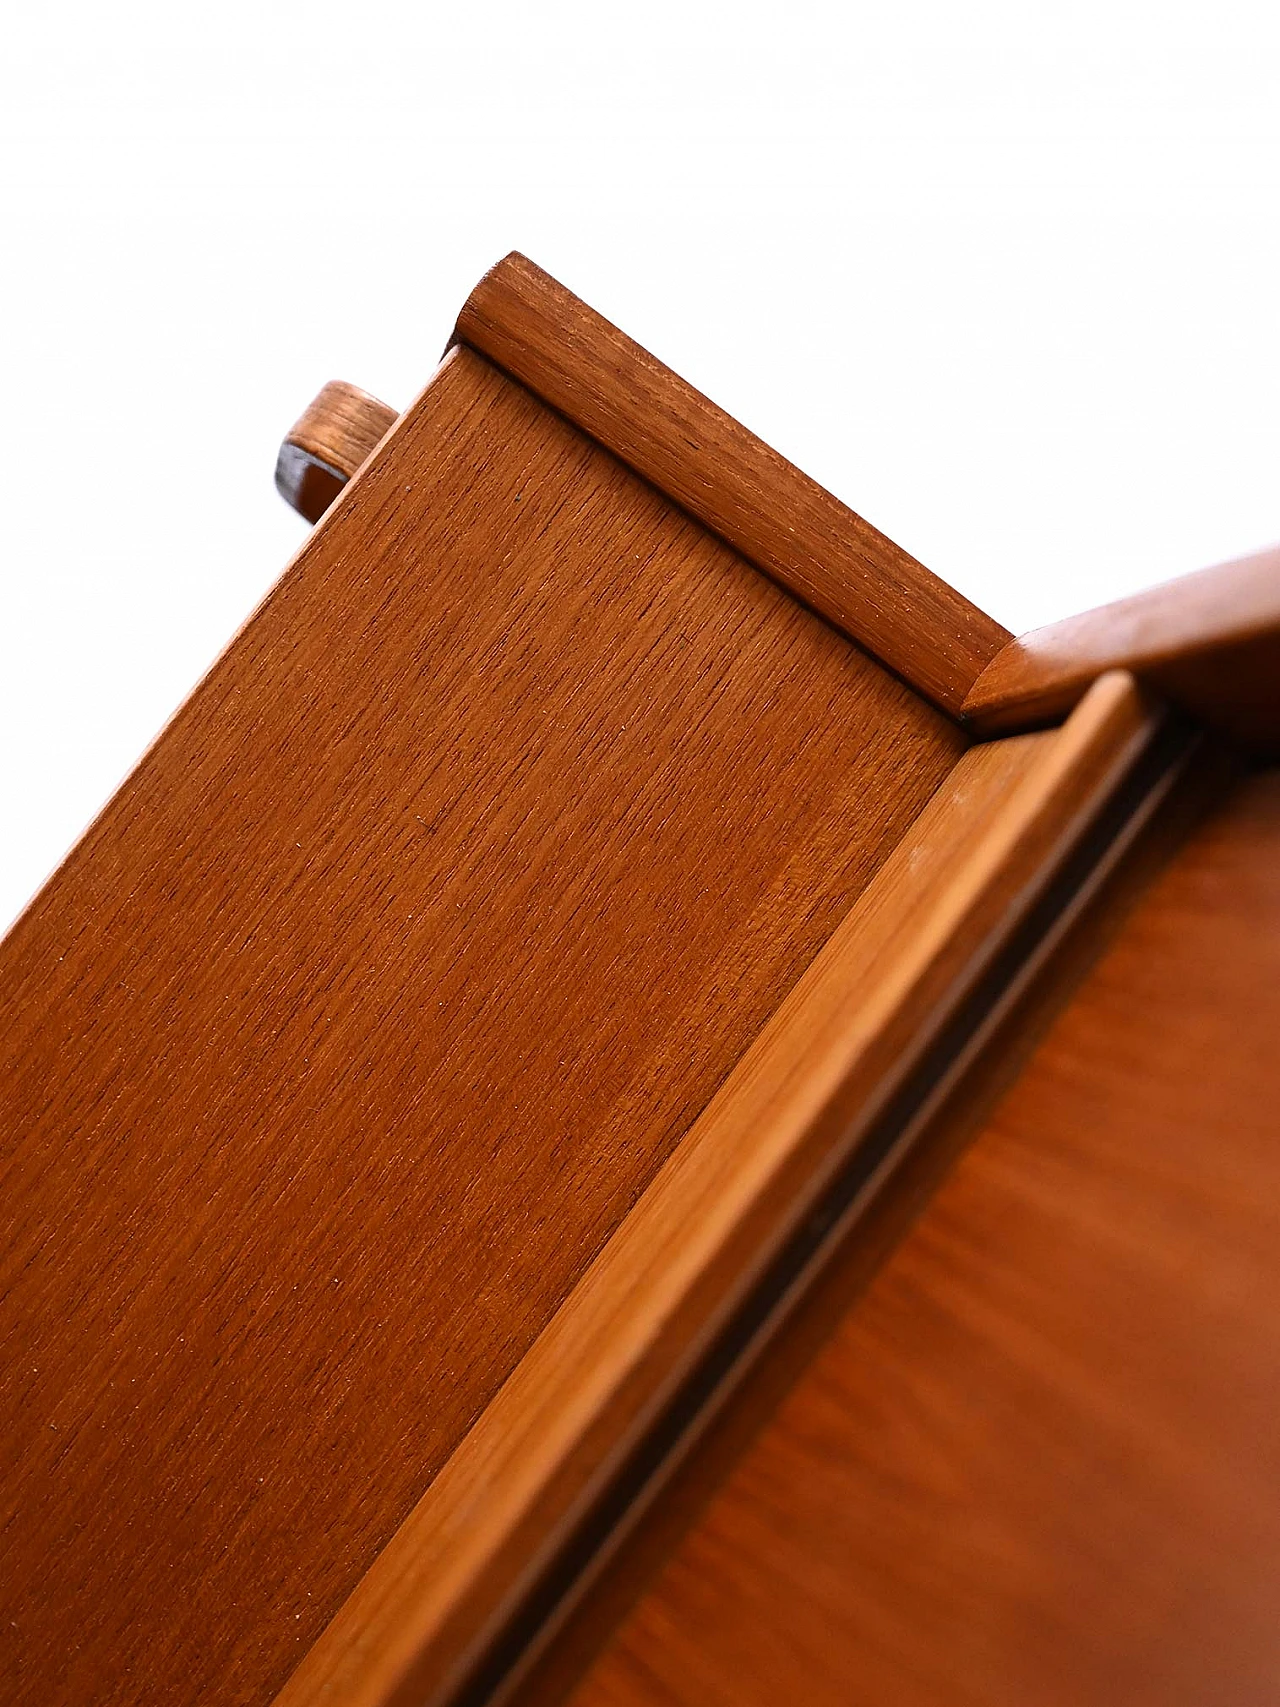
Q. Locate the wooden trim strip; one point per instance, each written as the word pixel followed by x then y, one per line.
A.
pixel 859 1023
pixel 783 522
pixel 1210 642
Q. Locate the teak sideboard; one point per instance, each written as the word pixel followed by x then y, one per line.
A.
pixel 636 1106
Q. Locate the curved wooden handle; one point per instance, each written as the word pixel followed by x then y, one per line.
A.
pixel 328 442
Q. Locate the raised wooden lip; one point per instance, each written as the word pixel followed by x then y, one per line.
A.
pixel 865 1016
pixel 1210 642
pixel 783 522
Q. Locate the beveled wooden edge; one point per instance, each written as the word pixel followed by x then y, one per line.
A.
pixel 779 519
pixel 1209 641
pixel 335 434
pixel 862 1019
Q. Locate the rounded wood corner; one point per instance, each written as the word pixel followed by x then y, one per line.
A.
pixel 337 432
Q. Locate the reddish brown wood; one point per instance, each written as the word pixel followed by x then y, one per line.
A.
pixel 1036 1459
pixel 1210 642
pixel 775 516
pixel 870 1009
pixel 335 434
pixel 352 1028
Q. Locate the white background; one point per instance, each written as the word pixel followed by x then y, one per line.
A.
pixel 1003 276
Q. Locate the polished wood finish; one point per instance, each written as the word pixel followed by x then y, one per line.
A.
pixel 1210 642
pixel 1035 1458
pixel 486 1192
pixel 351 1030
pixel 777 517
pixel 868 1011
pixel 333 437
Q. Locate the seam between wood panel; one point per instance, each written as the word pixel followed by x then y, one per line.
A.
pixel 944 706
pixel 596 1435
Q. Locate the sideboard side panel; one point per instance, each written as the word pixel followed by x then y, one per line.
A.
pixel 361 1016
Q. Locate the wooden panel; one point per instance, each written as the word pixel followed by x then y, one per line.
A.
pixel 775 516
pixel 1209 642
pixel 751 1170
pixel 1036 1460
pixel 346 1036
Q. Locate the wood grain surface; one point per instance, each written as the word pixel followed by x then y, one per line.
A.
pixel 1210 642
pixel 1035 1459
pixel 335 434
pixel 734 484
pixel 355 1024
pixel 750 1171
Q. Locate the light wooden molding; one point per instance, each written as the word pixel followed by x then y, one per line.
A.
pixel 863 1018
